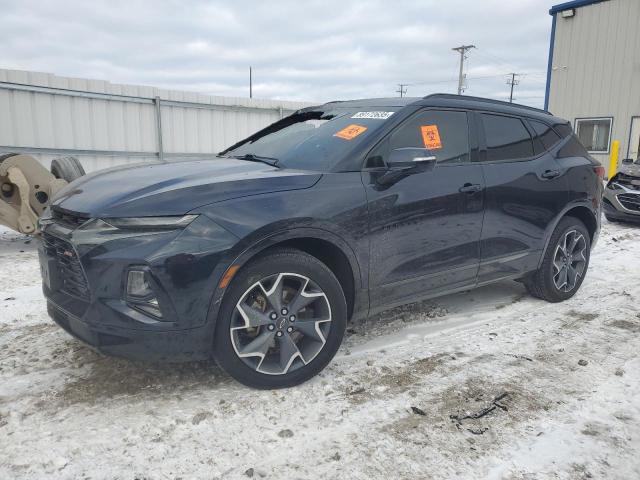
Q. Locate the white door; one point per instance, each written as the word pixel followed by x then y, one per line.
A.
pixel 634 145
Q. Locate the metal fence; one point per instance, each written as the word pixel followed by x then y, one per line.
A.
pixel 106 124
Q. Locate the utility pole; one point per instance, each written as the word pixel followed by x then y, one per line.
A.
pixel 250 83
pixel 513 82
pixel 462 49
pixel 402 89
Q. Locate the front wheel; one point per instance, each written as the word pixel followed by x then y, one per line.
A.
pixel 281 321
pixel 565 263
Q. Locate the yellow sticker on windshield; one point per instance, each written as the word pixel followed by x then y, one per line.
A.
pixel 350 132
pixel 431 137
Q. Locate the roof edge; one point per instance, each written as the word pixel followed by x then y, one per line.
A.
pixel 572 4
pixel 452 96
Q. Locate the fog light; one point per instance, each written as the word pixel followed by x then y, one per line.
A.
pixel 137 285
pixel 140 295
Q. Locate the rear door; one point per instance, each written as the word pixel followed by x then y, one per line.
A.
pixel 425 227
pixel 526 189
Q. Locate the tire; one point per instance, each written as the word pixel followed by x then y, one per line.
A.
pixel 611 219
pixel 3 157
pixel 547 282
pixel 67 168
pixel 302 278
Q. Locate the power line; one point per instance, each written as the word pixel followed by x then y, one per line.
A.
pixel 467 77
pixel 402 89
pixel 462 49
pixel 496 60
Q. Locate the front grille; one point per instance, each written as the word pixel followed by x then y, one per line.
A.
pixel 68 219
pixel 72 278
pixel 628 181
pixel 630 201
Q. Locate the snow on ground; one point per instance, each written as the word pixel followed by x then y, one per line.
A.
pixel 559 386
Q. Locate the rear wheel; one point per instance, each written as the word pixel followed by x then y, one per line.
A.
pixel 281 321
pixel 67 168
pixel 565 263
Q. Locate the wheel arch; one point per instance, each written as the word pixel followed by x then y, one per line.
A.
pixel 583 212
pixel 326 246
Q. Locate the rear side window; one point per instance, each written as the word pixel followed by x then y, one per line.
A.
pixel 544 134
pixel 507 138
pixel 564 129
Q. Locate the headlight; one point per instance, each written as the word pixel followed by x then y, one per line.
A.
pixel 150 223
pixel 130 225
pixel 100 230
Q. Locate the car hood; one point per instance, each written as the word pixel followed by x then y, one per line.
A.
pixel 174 188
pixel 632 170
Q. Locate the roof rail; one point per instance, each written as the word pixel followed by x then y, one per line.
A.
pixel 452 96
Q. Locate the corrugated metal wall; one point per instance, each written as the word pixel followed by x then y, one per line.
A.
pixel 106 124
pixel 596 66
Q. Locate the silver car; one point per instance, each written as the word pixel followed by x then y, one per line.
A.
pixel 622 195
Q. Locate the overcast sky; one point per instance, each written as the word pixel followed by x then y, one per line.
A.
pixel 314 50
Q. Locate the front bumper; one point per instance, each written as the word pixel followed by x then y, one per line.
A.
pixel 622 202
pixel 150 346
pixel 84 285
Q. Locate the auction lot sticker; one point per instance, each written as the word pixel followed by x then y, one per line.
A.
pixel 373 115
pixel 431 137
pixel 350 132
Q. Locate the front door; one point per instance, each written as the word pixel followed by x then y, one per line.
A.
pixel 425 226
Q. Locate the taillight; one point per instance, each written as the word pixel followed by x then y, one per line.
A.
pixel 599 171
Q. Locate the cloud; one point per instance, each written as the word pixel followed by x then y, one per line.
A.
pixel 300 50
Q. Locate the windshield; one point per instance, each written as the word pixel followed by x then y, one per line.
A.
pixel 313 140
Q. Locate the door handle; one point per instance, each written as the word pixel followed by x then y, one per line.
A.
pixel 470 188
pixel 549 174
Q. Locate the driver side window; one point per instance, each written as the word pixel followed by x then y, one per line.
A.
pixel 444 133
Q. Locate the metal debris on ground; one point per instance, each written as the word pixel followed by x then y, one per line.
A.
pixel 418 411
pixel 458 419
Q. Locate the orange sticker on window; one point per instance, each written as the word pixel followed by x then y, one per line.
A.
pixel 350 132
pixel 431 137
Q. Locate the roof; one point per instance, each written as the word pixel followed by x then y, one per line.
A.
pixel 481 103
pixel 376 102
pixel 573 4
pixel 441 100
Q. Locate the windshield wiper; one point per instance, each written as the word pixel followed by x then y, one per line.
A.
pixel 257 158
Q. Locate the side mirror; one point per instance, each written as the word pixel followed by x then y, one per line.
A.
pixel 403 162
pixel 627 161
pixel 409 157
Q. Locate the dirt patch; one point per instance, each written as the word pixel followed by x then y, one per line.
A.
pixel 478 410
pixel 108 378
pixel 626 325
pixel 394 381
pixel 577 318
pixel 514 300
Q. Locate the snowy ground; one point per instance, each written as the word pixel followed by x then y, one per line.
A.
pixel 563 382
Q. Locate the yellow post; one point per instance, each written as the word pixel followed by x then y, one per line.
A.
pixel 613 163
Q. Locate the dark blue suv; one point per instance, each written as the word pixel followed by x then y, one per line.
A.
pixel 262 255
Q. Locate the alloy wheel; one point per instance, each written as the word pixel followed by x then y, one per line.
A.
pixel 569 261
pixel 280 323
